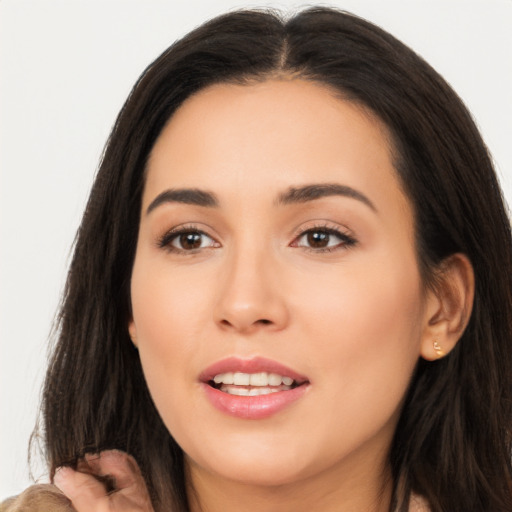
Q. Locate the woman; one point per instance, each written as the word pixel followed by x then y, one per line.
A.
pixel 291 286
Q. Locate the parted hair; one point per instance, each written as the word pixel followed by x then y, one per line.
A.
pixel 453 440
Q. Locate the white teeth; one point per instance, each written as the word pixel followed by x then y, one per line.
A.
pixel 262 391
pixel 274 379
pixel 287 381
pixel 261 379
pixel 226 378
pixel 241 379
pixel 239 391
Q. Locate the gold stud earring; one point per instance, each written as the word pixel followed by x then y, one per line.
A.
pixel 438 349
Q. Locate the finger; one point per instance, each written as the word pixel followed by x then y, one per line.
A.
pixel 121 476
pixel 84 491
pixel 118 465
pixel 90 466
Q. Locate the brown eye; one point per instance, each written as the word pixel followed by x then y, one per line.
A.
pixel 324 239
pixel 188 241
pixel 318 239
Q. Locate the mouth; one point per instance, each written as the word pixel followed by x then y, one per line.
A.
pixel 253 384
pixel 252 388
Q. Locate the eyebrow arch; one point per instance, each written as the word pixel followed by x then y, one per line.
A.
pixel 316 191
pixel 191 196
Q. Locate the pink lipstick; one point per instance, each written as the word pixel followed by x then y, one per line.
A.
pixel 252 388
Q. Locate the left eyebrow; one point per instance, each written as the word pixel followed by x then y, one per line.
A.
pixel 307 193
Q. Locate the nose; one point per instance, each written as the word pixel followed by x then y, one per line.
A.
pixel 252 296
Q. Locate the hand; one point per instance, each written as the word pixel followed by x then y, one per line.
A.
pixel 86 491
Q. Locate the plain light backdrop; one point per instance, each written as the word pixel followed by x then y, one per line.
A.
pixel 66 68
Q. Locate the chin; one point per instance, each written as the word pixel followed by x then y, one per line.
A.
pixel 255 473
pixel 255 460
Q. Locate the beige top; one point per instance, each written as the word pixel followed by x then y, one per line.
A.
pixel 46 497
pixel 38 498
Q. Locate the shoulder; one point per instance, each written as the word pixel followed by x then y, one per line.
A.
pixel 38 498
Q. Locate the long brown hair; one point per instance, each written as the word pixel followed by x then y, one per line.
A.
pixel 453 441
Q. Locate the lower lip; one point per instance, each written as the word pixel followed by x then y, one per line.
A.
pixel 253 407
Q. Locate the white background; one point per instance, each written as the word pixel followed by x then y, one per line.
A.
pixel 65 70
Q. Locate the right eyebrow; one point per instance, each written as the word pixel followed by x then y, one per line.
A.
pixel 193 196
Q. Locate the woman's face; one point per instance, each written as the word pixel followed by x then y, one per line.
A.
pixel 276 259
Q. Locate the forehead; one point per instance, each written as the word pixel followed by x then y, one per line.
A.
pixel 250 139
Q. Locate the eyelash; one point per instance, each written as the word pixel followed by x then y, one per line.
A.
pixel 346 240
pixel 165 241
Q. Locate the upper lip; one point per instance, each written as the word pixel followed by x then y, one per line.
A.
pixel 252 365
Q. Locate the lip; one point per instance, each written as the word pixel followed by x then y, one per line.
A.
pixel 253 365
pixel 252 407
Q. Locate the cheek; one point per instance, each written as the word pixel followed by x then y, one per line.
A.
pixel 374 306
pixel 167 306
pixel 367 326
pixel 168 313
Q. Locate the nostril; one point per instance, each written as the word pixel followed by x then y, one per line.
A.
pixel 241 325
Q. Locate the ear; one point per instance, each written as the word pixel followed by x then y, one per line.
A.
pixel 449 306
pixel 132 330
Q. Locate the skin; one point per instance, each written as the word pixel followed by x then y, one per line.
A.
pixel 354 319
